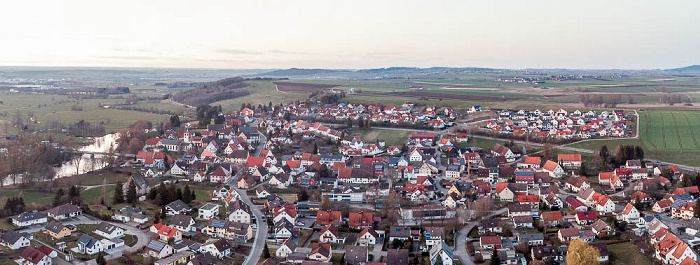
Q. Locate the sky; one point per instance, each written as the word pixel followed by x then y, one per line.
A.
pixel 620 34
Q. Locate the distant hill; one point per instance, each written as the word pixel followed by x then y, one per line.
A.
pixel 295 72
pixel 693 69
pixel 214 91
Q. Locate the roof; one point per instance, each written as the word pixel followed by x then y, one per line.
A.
pixel 321 248
pixel 11 236
pixel 64 209
pixel 28 216
pixel 535 160
pixel 397 256
pixel 356 254
pixel 181 220
pixel 156 245
pixel 569 157
pixel 87 240
pixel 32 255
pixel 490 240
pixel 179 205
pixel 106 227
pixel 552 216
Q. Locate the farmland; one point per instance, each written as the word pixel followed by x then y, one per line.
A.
pixel 301 87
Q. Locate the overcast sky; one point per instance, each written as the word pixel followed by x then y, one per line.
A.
pixel 628 34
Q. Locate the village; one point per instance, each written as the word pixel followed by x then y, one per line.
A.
pixel 299 191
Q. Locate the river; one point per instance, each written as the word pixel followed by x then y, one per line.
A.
pixel 88 162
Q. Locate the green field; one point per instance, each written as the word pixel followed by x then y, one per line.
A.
pixel 626 253
pixel 391 137
pixel 261 92
pixel 669 136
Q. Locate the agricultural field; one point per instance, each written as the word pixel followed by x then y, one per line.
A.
pixel 261 92
pixel 391 137
pixel 626 253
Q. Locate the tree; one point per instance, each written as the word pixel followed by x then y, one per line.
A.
pixel 303 196
pixel 131 192
pixel 604 152
pixel 482 206
pixel 156 217
pixel 174 121
pixel 581 253
pixel 696 212
pixel 547 151
pixel 583 170
pixel 59 197
pixel 266 252
pixel 162 213
pixel 495 260
pixel 187 195
pixel 118 194
pixel 100 260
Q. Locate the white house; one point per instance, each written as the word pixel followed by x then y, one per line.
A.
pixel 89 245
pixel 368 237
pixel 29 218
pixel 208 211
pixel 13 240
pixel 441 254
pixel 287 247
pixel 630 214
pixel 109 231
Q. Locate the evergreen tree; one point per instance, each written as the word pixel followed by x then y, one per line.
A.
pixel 156 217
pixel 118 194
pixel 162 213
pixel 179 194
pixel 696 211
pixel 59 197
pixel 162 195
pixel 131 193
pixel 186 195
pixel 175 121
pixel 266 252
pixel 495 260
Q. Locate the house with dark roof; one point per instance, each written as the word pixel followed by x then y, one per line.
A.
pixel 57 230
pixel 89 245
pixel 441 254
pixel 109 231
pixel 13 240
pixel 29 218
pixel 320 252
pixel 356 255
pixel 158 249
pixel 178 207
pixel 181 222
pixel 218 248
pixel 397 256
pixel 64 211
pixel 130 214
pixel 140 183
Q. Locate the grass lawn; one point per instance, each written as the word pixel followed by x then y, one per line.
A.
pixel 391 137
pixel 304 236
pixel 30 197
pixel 626 253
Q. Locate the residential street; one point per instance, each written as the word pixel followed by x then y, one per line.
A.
pixel 461 238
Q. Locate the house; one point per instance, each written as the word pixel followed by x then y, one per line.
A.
pixel 360 220
pixel 165 232
pixel 14 240
pixel 287 212
pixel 368 237
pixel 576 184
pixel 208 211
pixel 488 243
pixel 552 218
pixel 552 253
pixel 238 211
pixel 33 256
pixel 177 207
pixel 181 222
pixel 683 210
pixel 398 256
pixel 586 218
pixel 29 218
pixel 324 218
pixel 601 228
pixel 261 192
pixel 287 247
pixel 57 230
pixel 89 245
pixel 604 177
pixel 662 206
pixel 356 255
pixel 181 257
pixel 616 183
pixel 569 161
pixel 565 235
pixel 329 234
pixel 491 226
pixel 536 239
pixel 109 231
pixel 630 214
pixel 399 233
pixel 64 211
pixel 130 214
pixel 555 170
pixel 433 235
pixel 530 162
pixel 283 229
pixel 219 248
pixel 441 254
pixel 320 252
pixel 159 249
pixel 139 182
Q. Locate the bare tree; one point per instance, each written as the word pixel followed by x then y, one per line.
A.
pixel 483 206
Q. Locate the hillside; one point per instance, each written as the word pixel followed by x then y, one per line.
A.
pixel 692 70
pixel 223 89
pixel 297 72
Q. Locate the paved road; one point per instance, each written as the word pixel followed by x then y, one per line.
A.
pixel 461 238
pixel 260 233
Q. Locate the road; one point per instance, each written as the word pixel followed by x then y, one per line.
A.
pixel 261 232
pixel 461 238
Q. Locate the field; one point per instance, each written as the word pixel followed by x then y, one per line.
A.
pixel 626 253
pixel 391 137
pixel 261 92
pixel 301 87
pixel 669 136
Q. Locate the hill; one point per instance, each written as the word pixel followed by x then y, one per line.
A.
pixel 223 89
pixel 298 72
pixel 692 70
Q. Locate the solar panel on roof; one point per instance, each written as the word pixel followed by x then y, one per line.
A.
pixel 155 244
